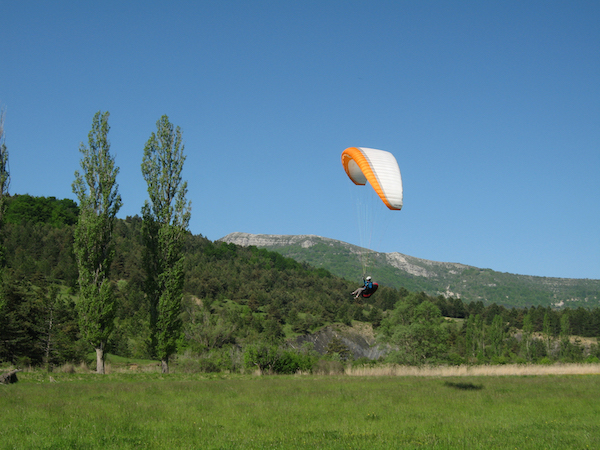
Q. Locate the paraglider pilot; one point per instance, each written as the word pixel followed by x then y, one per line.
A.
pixel 367 286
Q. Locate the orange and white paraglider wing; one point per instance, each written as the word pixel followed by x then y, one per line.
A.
pixel 379 168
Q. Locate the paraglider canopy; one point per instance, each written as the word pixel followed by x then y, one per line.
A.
pixel 379 168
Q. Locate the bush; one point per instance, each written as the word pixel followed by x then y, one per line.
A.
pixel 201 365
pixel 260 356
pixel 454 359
pixel 191 363
pixel 364 362
pixel 290 361
pixel 500 360
pixel 520 360
pixel 22 362
pixel 272 359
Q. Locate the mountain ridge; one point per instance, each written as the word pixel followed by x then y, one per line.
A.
pixel 397 259
pixel 398 270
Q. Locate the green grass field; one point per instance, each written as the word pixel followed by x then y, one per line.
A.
pixel 150 411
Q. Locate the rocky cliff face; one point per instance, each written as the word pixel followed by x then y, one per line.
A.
pixel 359 340
pixel 421 267
pixel 262 240
pixel 278 240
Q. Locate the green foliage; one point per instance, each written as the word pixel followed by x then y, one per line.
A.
pixel 99 202
pixel 38 324
pixel 222 360
pixel 40 250
pixel 270 358
pixel 236 296
pixel 162 167
pixel 415 330
pixel 4 184
pixel 4 168
pixel 165 220
pixel 470 283
pixel 21 340
pixel 21 209
pixel 338 348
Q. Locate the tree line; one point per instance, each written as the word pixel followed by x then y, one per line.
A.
pixel 164 225
pixel 75 278
pixel 240 304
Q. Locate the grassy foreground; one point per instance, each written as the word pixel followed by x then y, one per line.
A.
pixel 151 411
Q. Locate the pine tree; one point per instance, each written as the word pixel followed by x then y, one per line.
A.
pixel 165 220
pixel 99 202
pixel 337 347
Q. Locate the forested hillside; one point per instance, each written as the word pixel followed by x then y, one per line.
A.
pixel 416 274
pixel 242 304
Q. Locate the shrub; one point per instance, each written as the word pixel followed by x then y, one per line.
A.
pixel 289 362
pixel 201 365
pixel 364 362
pixel 454 359
pixel 194 363
pixel 272 359
pixel 260 356
pixel 500 360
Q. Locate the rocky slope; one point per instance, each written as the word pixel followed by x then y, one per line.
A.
pixel 358 339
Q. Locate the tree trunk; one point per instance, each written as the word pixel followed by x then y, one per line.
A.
pixel 100 360
pixel 49 341
pixel 9 377
pixel 165 365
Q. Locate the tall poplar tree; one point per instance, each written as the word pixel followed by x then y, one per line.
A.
pixel 99 202
pixel 166 218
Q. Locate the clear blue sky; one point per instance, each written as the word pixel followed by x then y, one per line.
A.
pixel 492 110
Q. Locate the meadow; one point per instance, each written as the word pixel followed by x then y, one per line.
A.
pixel 188 411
